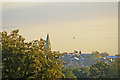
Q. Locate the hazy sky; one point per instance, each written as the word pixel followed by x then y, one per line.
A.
pixel 94 25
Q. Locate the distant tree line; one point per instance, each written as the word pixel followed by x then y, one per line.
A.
pixel 98 70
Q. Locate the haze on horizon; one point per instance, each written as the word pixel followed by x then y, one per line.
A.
pixel 93 24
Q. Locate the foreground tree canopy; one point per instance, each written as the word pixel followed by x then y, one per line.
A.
pixel 22 59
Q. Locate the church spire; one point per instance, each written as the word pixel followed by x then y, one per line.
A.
pixel 48 45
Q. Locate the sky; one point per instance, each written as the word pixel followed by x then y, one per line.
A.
pixel 93 24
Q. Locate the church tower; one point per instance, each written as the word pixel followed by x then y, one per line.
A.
pixel 48 45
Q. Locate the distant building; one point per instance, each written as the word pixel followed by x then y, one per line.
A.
pixel 85 55
pixel 48 45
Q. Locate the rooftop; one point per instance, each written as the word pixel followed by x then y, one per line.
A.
pixel 85 54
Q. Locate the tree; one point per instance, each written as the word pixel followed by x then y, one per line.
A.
pixel 99 70
pixel 28 59
pixel 104 54
pixel 75 51
pixel 81 72
pixel 114 70
pixel 117 55
pixel 96 54
pixel 68 73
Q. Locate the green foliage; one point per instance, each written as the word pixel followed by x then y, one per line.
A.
pixel 104 54
pixel 117 55
pixel 82 72
pixel 99 69
pixel 68 73
pixel 28 59
pixel 114 69
pixel 75 51
pixel 104 70
pixel 96 54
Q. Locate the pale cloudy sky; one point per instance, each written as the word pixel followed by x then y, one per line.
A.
pixel 93 24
